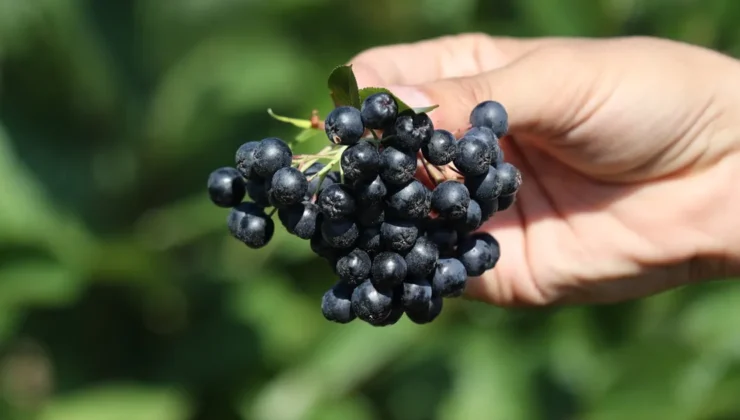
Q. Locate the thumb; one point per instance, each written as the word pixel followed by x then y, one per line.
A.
pixel 544 92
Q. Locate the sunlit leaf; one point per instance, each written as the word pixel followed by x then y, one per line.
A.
pixel 343 87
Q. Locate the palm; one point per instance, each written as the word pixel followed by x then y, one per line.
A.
pixel 567 230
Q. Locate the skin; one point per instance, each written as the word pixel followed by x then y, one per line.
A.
pixel 629 150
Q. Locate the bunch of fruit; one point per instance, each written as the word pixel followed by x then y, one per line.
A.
pixel 393 204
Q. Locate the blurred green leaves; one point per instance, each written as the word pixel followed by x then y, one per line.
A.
pixel 114 261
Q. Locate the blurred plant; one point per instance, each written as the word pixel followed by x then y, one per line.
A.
pixel 122 296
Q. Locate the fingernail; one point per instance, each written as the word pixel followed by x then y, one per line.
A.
pixel 411 96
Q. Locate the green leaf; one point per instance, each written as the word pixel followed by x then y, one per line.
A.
pixel 295 121
pixel 402 106
pixel 343 87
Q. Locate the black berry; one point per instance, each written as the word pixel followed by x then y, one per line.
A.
pixel 248 223
pixel 475 255
pixel 378 110
pixel 505 201
pixel 336 202
pixel 388 270
pixel 441 148
pixel 372 215
pixel 398 235
pixel 257 192
pixel 449 278
pixel 226 187
pixel 370 192
pixel 336 304
pixel 370 304
pixel 428 313
pixel 286 187
pixel 490 114
pixel 354 268
pixel 472 157
pixel 485 187
pixel 344 125
pixel 360 162
pixel 511 178
pixel 444 237
pixel 340 234
pixel 396 314
pixel 369 240
pixel 270 155
pixel 493 244
pixel 412 202
pixel 397 167
pixel 416 294
pixel 422 258
pixel 300 219
pixel 410 131
pixel 473 218
pixel 245 159
pixel 450 200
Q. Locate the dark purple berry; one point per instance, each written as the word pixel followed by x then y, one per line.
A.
pixel 339 234
pixel 248 223
pixel 270 155
pixel 511 178
pixel 300 219
pixel 257 192
pixel 410 131
pixel 449 278
pixel 370 304
pixel 360 162
pixel 245 159
pixel 397 167
pixel 369 240
pixel 388 270
pixel 450 199
pixel 398 235
pixel 441 148
pixel 371 215
pixel 316 184
pixel 336 304
pixel 475 255
pixel 472 157
pixel 493 244
pixel 490 114
pixel 473 218
pixel 428 313
pixel 485 187
pixel 412 202
pixel 416 294
pixel 505 201
pixel 354 268
pixel 370 192
pixel 379 110
pixel 287 186
pixel 226 187
pixel 344 125
pixel 336 202
pixel 422 258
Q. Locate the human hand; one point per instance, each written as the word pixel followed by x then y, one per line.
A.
pixel 628 148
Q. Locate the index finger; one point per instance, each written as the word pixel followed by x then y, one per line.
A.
pixel 445 57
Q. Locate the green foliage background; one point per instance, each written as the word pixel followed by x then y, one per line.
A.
pixel 122 297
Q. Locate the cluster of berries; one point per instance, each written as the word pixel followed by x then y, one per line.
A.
pixel 395 211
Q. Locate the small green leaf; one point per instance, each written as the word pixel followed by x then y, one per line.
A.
pixel 343 87
pixel 294 121
pixel 402 106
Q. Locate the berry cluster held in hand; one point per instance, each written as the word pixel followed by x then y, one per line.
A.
pixel 392 204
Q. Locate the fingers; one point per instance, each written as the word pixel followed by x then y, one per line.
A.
pixel 547 90
pixel 439 58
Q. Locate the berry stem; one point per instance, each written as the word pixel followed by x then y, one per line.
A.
pixel 316 122
pixel 336 155
pixel 432 172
